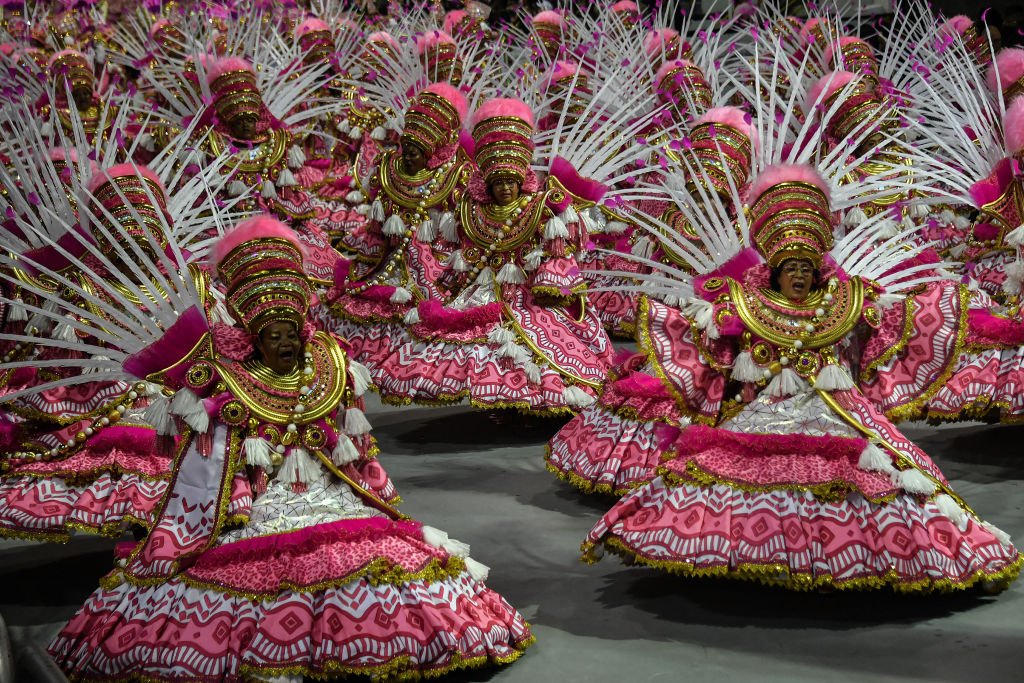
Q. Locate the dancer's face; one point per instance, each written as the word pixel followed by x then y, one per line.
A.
pixel 243 127
pixel 413 158
pixel 279 346
pixel 505 190
pixel 796 277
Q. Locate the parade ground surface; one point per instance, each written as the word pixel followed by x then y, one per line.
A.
pixel 486 485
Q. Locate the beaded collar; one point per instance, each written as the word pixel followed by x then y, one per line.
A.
pixel 825 317
pixel 423 190
pixel 502 228
pixel 273 398
pixel 259 157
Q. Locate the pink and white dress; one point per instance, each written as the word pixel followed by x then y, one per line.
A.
pixel 491 340
pixel 271 558
pixel 804 483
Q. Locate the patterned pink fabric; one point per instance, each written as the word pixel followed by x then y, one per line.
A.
pixel 668 339
pixel 789 537
pixel 173 632
pixel 446 371
pixel 601 450
pixel 930 351
pixel 777 460
pixel 327 553
pixel 51 508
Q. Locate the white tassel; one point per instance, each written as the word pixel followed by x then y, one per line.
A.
pixel 377 211
pixel 356 422
pixel 570 215
pixel 913 481
pixel 394 226
pixel 833 378
pixel 854 217
pixel 958 250
pixel 355 133
pixel 447 227
pixel 703 315
pixel 1015 270
pixel 575 397
pixel 412 316
pixel 532 371
pixel 946 217
pixel 257 452
pixel 952 510
pixel 961 221
pixel 456 548
pixel 268 191
pixel 644 247
pixel 363 209
pixel 434 537
pixel 46 129
pixel 299 468
pixel 1000 535
pixel 64 331
pixel 615 227
pixel 477 570
pixel 555 228
pixel 456 262
pixel 401 295
pixel 355 197
pixel 501 335
pixel 514 351
pixel 236 188
pixel 286 178
pixel 190 408
pixel 158 416
pixel 379 134
pixel 426 232
pixel 589 222
pixel 888 300
pixel 360 377
pixel 874 459
pixel 533 259
pixel 1016 236
pixel 919 210
pixel 146 142
pixel 888 228
pixel 786 383
pixel 511 274
pixel 344 451
pixel 744 369
pixel 16 312
pixel 296 157
pixel 908 223
pixel 344 126
pixel 670 300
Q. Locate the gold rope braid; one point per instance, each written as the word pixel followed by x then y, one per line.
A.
pixel 370 498
pixel 901 459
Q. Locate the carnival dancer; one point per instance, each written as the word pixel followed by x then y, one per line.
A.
pixel 802 483
pixel 397 260
pixel 265 533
